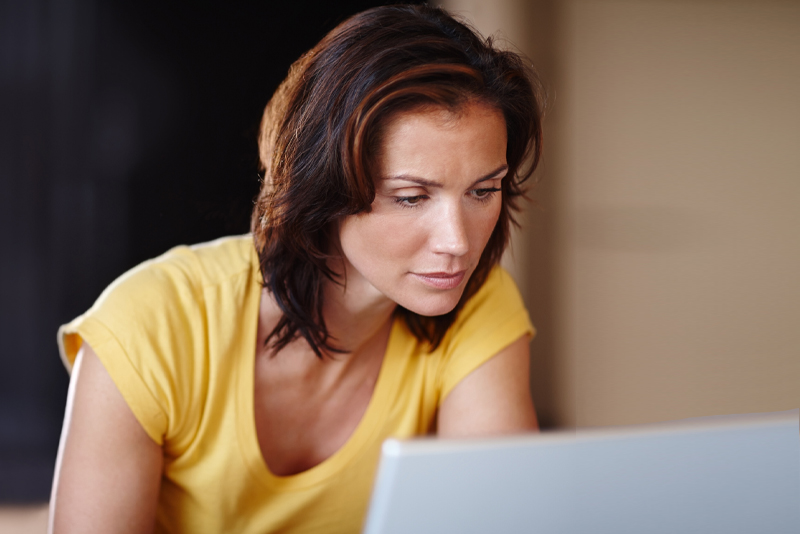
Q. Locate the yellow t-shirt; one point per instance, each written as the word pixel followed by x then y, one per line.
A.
pixel 177 334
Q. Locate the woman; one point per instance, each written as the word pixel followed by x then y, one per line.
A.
pixel 246 385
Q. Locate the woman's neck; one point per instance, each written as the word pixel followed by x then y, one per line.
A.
pixel 355 312
pixel 357 317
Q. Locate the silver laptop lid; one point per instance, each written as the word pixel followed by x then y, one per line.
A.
pixel 735 474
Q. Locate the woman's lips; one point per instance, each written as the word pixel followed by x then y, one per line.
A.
pixel 441 280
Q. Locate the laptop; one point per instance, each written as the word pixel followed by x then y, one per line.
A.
pixel 730 474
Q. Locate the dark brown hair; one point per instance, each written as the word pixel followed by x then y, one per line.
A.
pixel 321 130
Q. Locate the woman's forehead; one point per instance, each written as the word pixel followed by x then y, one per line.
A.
pixel 431 144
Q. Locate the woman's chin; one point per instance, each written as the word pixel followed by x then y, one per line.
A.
pixel 433 307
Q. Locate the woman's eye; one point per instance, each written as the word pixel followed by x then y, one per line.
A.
pixel 409 202
pixel 484 193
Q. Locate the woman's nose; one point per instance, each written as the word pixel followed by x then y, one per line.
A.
pixel 449 232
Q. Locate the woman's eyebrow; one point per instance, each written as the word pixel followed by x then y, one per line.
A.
pixel 430 183
pixel 502 169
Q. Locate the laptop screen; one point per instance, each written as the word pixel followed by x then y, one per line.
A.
pixel 736 474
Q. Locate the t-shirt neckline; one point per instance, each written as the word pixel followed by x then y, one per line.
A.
pixel 369 424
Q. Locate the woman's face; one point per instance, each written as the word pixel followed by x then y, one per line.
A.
pixel 436 204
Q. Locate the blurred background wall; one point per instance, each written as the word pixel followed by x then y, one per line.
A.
pixel 660 260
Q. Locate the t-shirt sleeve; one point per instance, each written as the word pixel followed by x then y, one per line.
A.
pixel 491 320
pixel 143 328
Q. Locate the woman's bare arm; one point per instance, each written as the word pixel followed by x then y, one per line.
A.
pixel 108 469
pixel 494 399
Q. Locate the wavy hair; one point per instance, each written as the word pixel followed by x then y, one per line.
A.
pixel 321 131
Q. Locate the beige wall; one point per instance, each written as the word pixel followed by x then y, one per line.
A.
pixel 662 266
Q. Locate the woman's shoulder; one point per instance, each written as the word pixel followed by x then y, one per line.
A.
pixel 202 264
pixel 493 318
pixel 168 290
pixel 489 321
pixel 151 329
pixel 496 299
pixel 184 270
pixel 223 258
